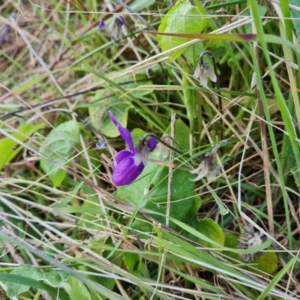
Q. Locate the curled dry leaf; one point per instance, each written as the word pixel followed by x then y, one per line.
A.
pixel 208 168
pixel 203 72
pixel 250 239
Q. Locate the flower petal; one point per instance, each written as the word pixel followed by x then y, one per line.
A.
pixel 197 72
pixel 101 25
pixel 126 171
pixel 200 167
pixel 142 151
pixel 122 155
pixel 152 144
pixel 120 21
pixel 125 133
pixel 211 175
pixel 116 32
pixel 201 174
pixel 203 77
pixel 210 72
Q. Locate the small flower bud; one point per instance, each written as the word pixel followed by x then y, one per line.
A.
pixel 250 239
pixel 208 168
pixel 101 144
pixel 101 25
pixel 203 72
pixel 162 148
pixel 116 32
pixel 120 21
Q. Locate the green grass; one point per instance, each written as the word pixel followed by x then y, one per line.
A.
pixel 68 231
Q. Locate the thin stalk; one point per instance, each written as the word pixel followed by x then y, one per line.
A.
pixel 282 106
pixel 210 54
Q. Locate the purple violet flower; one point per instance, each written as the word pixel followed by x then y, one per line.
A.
pixel 129 163
pixel 116 31
pixel 101 25
pixel 120 21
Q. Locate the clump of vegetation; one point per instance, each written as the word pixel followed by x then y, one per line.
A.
pixel 149 150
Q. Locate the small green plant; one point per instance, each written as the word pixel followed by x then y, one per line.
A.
pixel 149 150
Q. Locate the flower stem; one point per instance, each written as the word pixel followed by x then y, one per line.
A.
pixel 220 108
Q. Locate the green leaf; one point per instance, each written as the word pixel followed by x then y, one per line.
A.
pixel 109 99
pixel 182 133
pixel 137 134
pixel 192 55
pixel 211 230
pixel 54 278
pixel 113 256
pixel 8 147
pixel 231 241
pixel 192 214
pixel 14 289
pixel 134 87
pixel 150 190
pixel 99 113
pixel 134 264
pixel 90 210
pixel 25 281
pixel 182 18
pixel 189 100
pixel 69 197
pixel 295 14
pixel 76 289
pixel 278 277
pixel 267 262
pixel 58 146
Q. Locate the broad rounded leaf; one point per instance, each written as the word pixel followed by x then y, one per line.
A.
pixel 150 190
pixel 14 289
pixel 99 113
pixel 58 146
pixel 112 100
pixel 134 263
pixel 182 133
pixel 268 262
pixel 54 278
pixel 91 214
pixel 182 18
pixel 8 147
pixel 76 289
pixel 231 241
pixel 212 230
